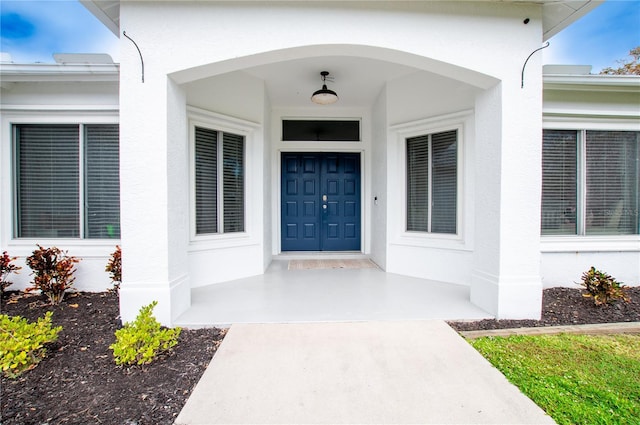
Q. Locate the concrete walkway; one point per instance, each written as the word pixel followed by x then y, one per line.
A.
pixel 357 372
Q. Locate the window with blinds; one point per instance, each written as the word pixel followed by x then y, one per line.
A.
pixel 612 175
pixel 559 185
pixel 206 168
pixel 590 182
pixel 219 190
pixel 58 194
pixel 233 182
pixel 48 181
pixel 102 181
pixel 432 182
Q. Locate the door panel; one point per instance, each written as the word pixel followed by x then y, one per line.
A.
pixel 320 202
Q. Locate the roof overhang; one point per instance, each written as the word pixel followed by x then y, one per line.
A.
pixel 556 14
pixel 592 83
pixel 17 73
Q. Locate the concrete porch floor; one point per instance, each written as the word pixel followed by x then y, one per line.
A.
pixel 328 295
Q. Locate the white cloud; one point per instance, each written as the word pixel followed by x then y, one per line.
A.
pixel 600 38
pixel 60 27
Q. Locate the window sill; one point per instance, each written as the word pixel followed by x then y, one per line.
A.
pixel 77 247
pixel 432 240
pixel 229 240
pixel 590 243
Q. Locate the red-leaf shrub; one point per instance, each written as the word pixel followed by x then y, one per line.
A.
pixel 114 267
pixel 53 270
pixel 6 268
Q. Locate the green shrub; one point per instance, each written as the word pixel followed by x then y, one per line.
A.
pixel 139 342
pixel 114 267
pixel 22 343
pixel 53 270
pixel 6 268
pixel 602 287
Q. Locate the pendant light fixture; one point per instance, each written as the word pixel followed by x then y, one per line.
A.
pixel 324 96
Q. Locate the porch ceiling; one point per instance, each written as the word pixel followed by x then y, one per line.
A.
pixel 358 81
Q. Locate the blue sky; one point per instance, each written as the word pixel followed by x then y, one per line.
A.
pixel 31 31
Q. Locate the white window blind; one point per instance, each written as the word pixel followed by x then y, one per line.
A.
pixel 47 192
pixel 612 182
pixel 50 175
pixel 559 184
pixel 233 187
pixel 444 176
pixel 219 190
pixel 418 184
pixel 432 189
pixel 102 181
pixel 206 169
pixel 590 182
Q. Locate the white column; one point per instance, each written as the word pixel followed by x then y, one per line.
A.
pixel 506 267
pixel 154 198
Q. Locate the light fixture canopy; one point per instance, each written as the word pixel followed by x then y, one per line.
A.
pixel 324 96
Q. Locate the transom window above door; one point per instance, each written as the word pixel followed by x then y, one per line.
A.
pixel 321 130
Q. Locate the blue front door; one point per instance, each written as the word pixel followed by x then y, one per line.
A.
pixel 320 202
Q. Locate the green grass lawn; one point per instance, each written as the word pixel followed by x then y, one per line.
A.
pixel 576 379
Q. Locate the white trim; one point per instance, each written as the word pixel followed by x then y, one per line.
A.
pixel 24 246
pixel 621 243
pixel 223 124
pixel 582 242
pixel 455 121
pixel 10 72
pixel 230 123
pixel 440 121
pixel 592 83
pixel 60 109
pixel 581 121
pixel 82 178
pixel 581 181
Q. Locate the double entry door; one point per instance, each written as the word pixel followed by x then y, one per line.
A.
pixel 320 206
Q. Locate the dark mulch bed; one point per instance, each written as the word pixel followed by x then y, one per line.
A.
pixel 566 306
pixel 79 383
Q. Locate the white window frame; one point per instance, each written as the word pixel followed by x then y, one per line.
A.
pixel 588 243
pixel 81 124
pixel 223 124
pixel 450 122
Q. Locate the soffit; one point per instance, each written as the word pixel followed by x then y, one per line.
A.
pixel 556 14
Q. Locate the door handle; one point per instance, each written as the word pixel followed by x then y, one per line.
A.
pixel 324 198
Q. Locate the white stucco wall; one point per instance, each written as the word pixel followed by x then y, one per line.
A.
pixel 58 96
pixel 47 100
pixel 467 74
pixel 461 53
pixel 566 268
pixel 422 103
pixel 590 102
pixel 379 192
pixel 212 260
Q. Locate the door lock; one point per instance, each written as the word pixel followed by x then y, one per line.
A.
pixel 324 198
